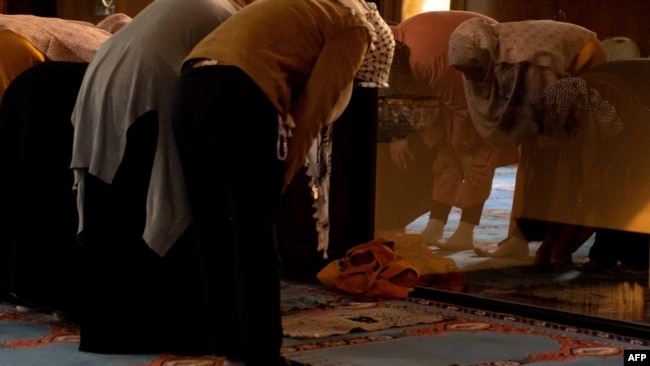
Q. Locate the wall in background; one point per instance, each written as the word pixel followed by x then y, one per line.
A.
pixel 45 8
pixel 608 18
pixel 87 10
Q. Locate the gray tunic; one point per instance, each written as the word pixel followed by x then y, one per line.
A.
pixel 134 72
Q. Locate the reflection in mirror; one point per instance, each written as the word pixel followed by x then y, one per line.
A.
pixel 567 225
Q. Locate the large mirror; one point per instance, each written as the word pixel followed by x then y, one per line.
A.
pixel 563 226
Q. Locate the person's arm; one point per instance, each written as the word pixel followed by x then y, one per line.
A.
pixel 449 88
pixel 334 70
pixel 400 153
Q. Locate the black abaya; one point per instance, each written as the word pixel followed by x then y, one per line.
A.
pixel 38 245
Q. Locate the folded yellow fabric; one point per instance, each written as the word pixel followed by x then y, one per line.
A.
pixel 435 270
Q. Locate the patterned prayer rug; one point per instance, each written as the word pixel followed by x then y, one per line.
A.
pixel 617 294
pixel 463 336
pixel 355 317
pixel 435 333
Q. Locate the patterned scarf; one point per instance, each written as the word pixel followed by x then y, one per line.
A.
pixel 375 67
pixel 58 39
pixel 574 121
pixel 114 22
pixel 319 169
pixel 506 66
pixel 373 73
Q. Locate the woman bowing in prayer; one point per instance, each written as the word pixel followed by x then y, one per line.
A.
pixel 252 97
pixel 505 68
pixel 464 164
pixel 140 266
pixel 596 128
pixel 27 40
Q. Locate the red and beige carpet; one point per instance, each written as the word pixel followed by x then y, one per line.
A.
pixel 324 328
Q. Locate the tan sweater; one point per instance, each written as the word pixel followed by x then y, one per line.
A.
pixel 302 54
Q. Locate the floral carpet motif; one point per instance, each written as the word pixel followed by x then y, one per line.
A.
pixel 454 335
pixel 465 336
pixel 357 317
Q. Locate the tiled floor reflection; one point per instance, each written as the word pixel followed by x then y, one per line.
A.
pixel 615 294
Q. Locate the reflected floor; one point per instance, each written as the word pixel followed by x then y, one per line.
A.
pixel 615 294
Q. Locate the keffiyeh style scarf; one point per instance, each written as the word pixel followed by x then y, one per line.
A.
pixel 319 169
pixel 375 67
